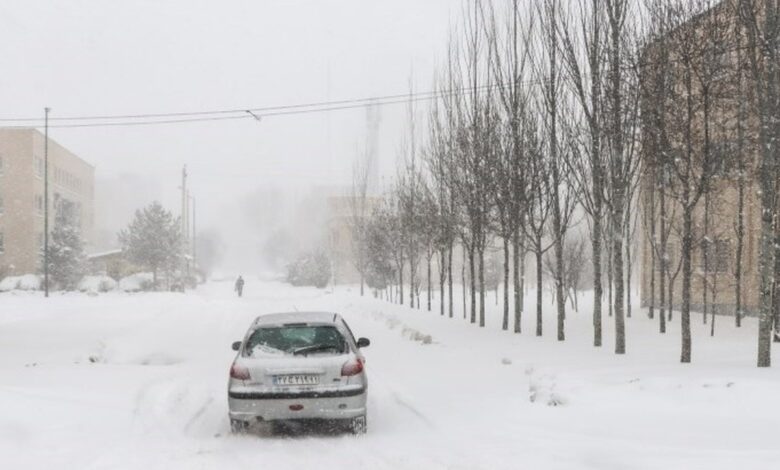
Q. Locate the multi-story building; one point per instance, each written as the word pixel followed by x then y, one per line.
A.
pixel 71 194
pixel 341 213
pixel 700 142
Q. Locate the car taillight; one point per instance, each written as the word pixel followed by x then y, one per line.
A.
pixel 352 367
pixel 239 372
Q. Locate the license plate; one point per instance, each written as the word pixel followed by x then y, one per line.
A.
pixel 296 380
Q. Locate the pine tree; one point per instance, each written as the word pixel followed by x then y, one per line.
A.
pixel 66 254
pixel 153 239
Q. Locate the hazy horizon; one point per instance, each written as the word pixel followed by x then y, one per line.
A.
pixel 98 58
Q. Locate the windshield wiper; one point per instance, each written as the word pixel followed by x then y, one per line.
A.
pixel 313 348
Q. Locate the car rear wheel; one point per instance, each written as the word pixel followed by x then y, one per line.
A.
pixel 238 427
pixel 357 425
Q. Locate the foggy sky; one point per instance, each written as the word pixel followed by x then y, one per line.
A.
pixel 86 57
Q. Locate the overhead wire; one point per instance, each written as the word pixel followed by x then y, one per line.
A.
pixel 256 113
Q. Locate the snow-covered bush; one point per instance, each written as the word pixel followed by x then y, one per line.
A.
pixel 24 282
pixel 97 284
pixel 311 269
pixel 137 282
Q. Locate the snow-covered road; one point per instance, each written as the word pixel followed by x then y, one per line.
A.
pixel 138 381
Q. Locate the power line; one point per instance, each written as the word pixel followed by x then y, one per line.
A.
pixel 245 115
pixel 225 114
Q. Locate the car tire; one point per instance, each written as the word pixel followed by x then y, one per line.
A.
pixel 358 425
pixel 238 427
pixel 278 428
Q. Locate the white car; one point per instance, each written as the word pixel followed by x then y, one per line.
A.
pixel 298 366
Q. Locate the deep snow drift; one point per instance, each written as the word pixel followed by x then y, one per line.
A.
pixel 139 381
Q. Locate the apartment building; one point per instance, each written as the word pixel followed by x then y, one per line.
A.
pixel 341 212
pixel 726 220
pixel 71 192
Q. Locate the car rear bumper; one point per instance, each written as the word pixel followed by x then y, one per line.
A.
pixel 250 406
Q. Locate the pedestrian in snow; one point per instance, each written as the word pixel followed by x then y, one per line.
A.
pixel 240 285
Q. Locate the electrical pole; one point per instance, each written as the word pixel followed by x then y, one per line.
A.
pixel 46 203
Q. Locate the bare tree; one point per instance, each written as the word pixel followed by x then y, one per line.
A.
pixel 358 205
pixel 509 59
pixel 551 104
pixel 587 166
pixel 620 114
pixel 761 25
pixel 538 208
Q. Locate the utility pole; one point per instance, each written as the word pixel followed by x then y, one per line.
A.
pixel 46 203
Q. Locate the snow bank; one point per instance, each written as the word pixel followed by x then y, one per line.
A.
pixel 94 284
pixel 25 282
pixel 137 282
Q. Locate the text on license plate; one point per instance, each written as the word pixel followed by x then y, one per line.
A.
pixel 296 380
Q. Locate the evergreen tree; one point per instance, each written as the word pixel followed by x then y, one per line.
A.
pixel 66 253
pixel 153 239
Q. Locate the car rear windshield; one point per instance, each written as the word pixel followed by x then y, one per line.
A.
pixel 301 340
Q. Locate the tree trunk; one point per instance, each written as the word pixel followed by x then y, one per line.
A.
pixel 664 260
pixel 740 244
pixel 617 252
pixel 776 296
pixel 538 287
pixel 705 257
pixel 517 265
pixel 610 275
pixel 598 289
pixel 412 269
pixel 449 278
pixel 560 301
pixel 670 309
pixel 463 280
pixel 505 321
pixel 400 287
pixel 473 285
pixel 628 247
pixel 442 280
pixel 481 254
pixel 429 282
pixel 685 314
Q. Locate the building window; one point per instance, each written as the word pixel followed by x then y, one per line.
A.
pixel 39 167
pixel 672 256
pixel 723 156
pixel 40 241
pixel 717 254
pixel 39 204
pixel 2 243
pixel 1 205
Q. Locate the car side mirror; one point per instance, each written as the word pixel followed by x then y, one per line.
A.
pixel 236 345
pixel 363 342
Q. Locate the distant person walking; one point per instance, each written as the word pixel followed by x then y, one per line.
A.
pixel 240 285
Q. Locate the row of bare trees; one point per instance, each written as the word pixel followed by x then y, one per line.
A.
pixel 551 117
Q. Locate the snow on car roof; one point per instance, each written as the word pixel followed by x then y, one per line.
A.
pixel 296 317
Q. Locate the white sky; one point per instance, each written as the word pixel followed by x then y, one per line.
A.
pixel 84 57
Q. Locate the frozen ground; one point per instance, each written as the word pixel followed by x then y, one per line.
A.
pixel 138 381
